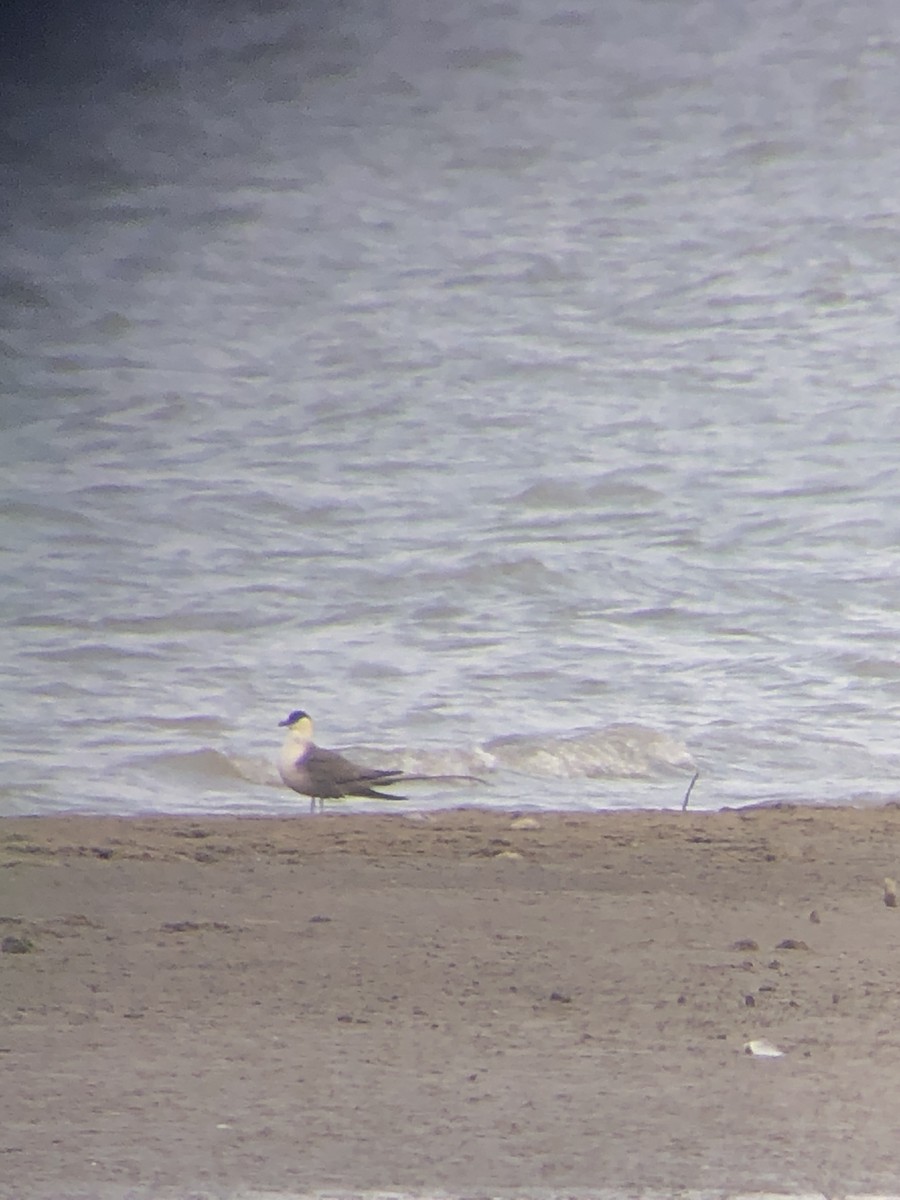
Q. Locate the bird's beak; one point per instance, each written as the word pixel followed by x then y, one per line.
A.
pixel 286 721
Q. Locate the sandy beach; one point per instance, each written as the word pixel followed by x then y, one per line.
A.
pixel 471 1003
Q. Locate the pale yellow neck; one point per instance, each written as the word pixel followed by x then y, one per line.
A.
pixel 301 731
pixel 296 742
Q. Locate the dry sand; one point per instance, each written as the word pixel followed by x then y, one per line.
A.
pixel 456 1003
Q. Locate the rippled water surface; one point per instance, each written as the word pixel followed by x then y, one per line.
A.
pixel 513 387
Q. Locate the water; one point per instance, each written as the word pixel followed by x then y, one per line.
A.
pixel 510 385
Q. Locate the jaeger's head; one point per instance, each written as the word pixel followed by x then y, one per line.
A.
pixel 298 722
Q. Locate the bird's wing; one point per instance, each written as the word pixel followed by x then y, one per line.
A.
pixel 339 774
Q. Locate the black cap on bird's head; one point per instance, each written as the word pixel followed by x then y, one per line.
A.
pixel 292 718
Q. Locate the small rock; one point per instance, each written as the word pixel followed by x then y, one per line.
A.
pixel 745 944
pixel 525 823
pixel 792 944
pixel 16 945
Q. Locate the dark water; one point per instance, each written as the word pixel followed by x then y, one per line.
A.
pixel 477 376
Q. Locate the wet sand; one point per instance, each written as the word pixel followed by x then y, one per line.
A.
pixel 463 1003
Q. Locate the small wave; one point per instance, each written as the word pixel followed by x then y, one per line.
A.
pixel 451 764
pixel 625 751
pixel 95 654
pixel 206 768
pixel 612 490
pixel 492 572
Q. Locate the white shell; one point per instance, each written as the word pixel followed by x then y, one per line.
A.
pixel 760 1048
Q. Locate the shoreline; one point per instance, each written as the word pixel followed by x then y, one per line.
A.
pixel 465 1000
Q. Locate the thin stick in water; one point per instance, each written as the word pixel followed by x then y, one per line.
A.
pixel 690 788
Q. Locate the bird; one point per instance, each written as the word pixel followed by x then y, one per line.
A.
pixel 324 774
